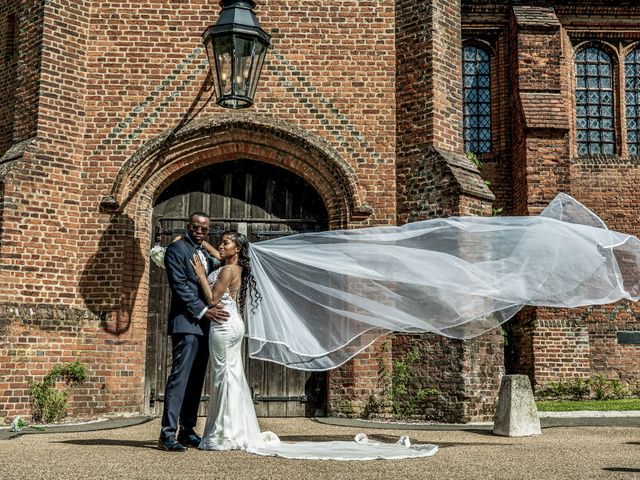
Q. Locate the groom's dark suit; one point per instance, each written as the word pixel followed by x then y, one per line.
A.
pixel 189 335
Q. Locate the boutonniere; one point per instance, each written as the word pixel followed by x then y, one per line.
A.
pixel 157 255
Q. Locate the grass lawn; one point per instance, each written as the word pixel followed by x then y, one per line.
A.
pixel 574 405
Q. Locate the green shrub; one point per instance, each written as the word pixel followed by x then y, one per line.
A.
pixel 48 404
pixel 599 386
pixel 618 389
pixel 473 158
pixel 408 397
pixel 559 389
pixel 580 388
pixel 423 393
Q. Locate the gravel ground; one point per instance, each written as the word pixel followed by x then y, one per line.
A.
pixel 559 453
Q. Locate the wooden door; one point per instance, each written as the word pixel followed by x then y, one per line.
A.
pixel 262 202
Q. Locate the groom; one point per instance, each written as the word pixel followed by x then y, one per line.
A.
pixel 189 319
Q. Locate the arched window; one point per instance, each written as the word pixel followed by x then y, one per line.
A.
pixel 477 100
pixel 631 96
pixel 594 102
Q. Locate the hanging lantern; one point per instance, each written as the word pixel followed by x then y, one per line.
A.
pixel 236 46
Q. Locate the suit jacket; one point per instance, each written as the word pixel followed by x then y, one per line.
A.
pixel 187 298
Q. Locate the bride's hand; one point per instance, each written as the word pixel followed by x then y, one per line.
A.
pixel 212 251
pixel 198 266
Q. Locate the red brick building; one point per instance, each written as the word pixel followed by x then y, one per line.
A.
pixel 363 115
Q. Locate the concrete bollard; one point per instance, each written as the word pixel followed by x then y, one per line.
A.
pixel 516 413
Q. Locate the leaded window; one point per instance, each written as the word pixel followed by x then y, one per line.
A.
pixel 477 100
pixel 594 102
pixel 631 95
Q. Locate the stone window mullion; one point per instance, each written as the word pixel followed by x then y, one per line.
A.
pixel 621 105
pixel 631 106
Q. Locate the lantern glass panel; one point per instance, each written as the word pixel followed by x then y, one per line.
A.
pixel 242 65
pixel 223 48
pixel 214 66
pixel 260 51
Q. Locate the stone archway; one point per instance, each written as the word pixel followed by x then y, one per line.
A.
pixel 261 201
pixel 230 137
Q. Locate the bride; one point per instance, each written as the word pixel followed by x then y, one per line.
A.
pixel 231 421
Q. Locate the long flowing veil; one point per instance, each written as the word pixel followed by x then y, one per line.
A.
pixel 328 295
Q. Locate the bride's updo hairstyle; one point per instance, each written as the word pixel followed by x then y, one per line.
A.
pixel 248 282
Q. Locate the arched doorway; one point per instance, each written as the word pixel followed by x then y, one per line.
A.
pixel 261 201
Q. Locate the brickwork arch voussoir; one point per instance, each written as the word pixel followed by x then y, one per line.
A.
pixel 238 136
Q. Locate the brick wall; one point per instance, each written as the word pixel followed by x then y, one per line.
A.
pixel 608 357
pixel 353 98
pixel 8 83
pixel 113 77
pixel 20 72
pixel 555 344
pixel 432 173
pixel 358 388
pixel 434 352
pixel 610 188
pixel 435 179
pixel 464 375
pixel 561 346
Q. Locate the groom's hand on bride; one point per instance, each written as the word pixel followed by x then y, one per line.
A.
pixel 217 314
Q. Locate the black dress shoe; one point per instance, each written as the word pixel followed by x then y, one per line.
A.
pixel 190 439
pixel 170 444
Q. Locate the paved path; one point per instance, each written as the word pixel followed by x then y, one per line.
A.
pixel 574 453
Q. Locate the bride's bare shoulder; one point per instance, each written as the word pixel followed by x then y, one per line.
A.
pixel 226 273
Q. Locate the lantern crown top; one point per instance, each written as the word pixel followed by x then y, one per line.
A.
pixel 237 17
pixel 239 3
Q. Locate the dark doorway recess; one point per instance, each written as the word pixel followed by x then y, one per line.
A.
pixel 262 201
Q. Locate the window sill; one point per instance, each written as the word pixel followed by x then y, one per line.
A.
pixel 606 160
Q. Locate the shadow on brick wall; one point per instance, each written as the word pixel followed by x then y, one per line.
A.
pixel 110 281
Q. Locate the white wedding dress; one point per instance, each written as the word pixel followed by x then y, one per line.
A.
pixel 232 423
